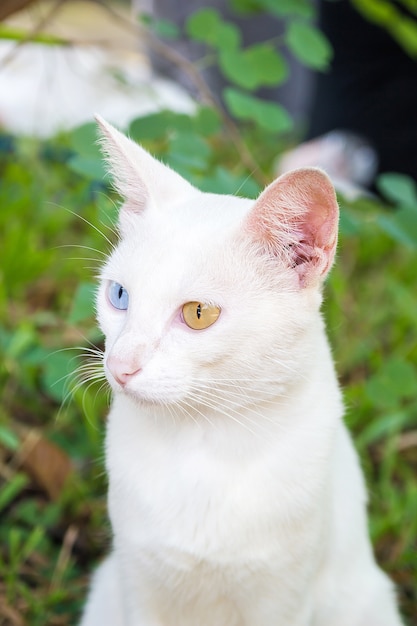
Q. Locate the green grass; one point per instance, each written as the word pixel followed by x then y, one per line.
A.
pixel 53 524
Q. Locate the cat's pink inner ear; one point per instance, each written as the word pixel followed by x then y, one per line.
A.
pixel 296 218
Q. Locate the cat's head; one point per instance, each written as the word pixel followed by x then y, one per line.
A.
pixel 212 301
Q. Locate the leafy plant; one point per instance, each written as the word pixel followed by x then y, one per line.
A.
pixel 57 204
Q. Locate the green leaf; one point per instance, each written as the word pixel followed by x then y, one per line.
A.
pixel 32 542
pixel 12 489
pixel 88 160
pixel 268 115
pixel 398 188
pixel 23 338
pixel 91 168
pixel 383 427
pixel 57 370
pixel 309 45
pixel 405 32
pixel 159 125
pixel 246 7
pixel 254 67
pixel 192 147
pixel 349 224
pixel 287 8
pixel 83 303
pixel 187 155
pixel 223 181
pixel 8 438
pixel 83 140
pixel 401 225
pixel 207 122
pixel 208 26
pixel 148 127
pixel 397 379
pixel 378 11
pixel 281 8
pixel 161 27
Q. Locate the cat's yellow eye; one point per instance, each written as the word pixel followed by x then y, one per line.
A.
pixel 199 316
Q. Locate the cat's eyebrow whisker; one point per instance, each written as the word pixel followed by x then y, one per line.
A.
pixel 248 177
pixel 112 228
pixel 74 245
pixel 86 221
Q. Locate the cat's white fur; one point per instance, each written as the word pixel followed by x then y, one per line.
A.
pixel 235 495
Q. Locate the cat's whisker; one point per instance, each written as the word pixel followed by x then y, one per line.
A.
pixel 248 177
pixel 86 221
pixel 203 415
pixel 236 408
pixel 112 226
pixel 171 412
pixel 96 349
pixel 214 406
pixel 81 247
pixel 285 365
pixel 231 395
pixel 103 387
pixel 88 373
pixel 236 390
pixel 183 408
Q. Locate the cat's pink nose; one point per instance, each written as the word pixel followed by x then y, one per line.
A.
pixel 122 371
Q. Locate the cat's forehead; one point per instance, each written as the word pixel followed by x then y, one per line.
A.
pixel 208 212
pixel 200 219
pixel 186 244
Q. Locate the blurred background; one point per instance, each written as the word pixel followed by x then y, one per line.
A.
pixel 229 93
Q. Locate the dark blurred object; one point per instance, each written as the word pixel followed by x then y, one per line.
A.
pixel 7 144
pixel 371 90
pixel 369 93
pixel 293 94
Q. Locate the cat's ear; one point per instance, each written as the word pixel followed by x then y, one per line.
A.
pixel 140 179
pixel 296 218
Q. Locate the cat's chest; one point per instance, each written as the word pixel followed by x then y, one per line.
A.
pixel 185 496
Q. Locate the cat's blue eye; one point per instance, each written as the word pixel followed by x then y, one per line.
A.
pixel 118 296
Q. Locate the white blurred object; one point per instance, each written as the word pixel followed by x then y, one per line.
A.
pixel 46 88
pixel 348 159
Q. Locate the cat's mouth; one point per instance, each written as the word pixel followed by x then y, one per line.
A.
pixel 149 392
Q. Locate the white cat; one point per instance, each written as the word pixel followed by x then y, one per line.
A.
pixel 235 497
